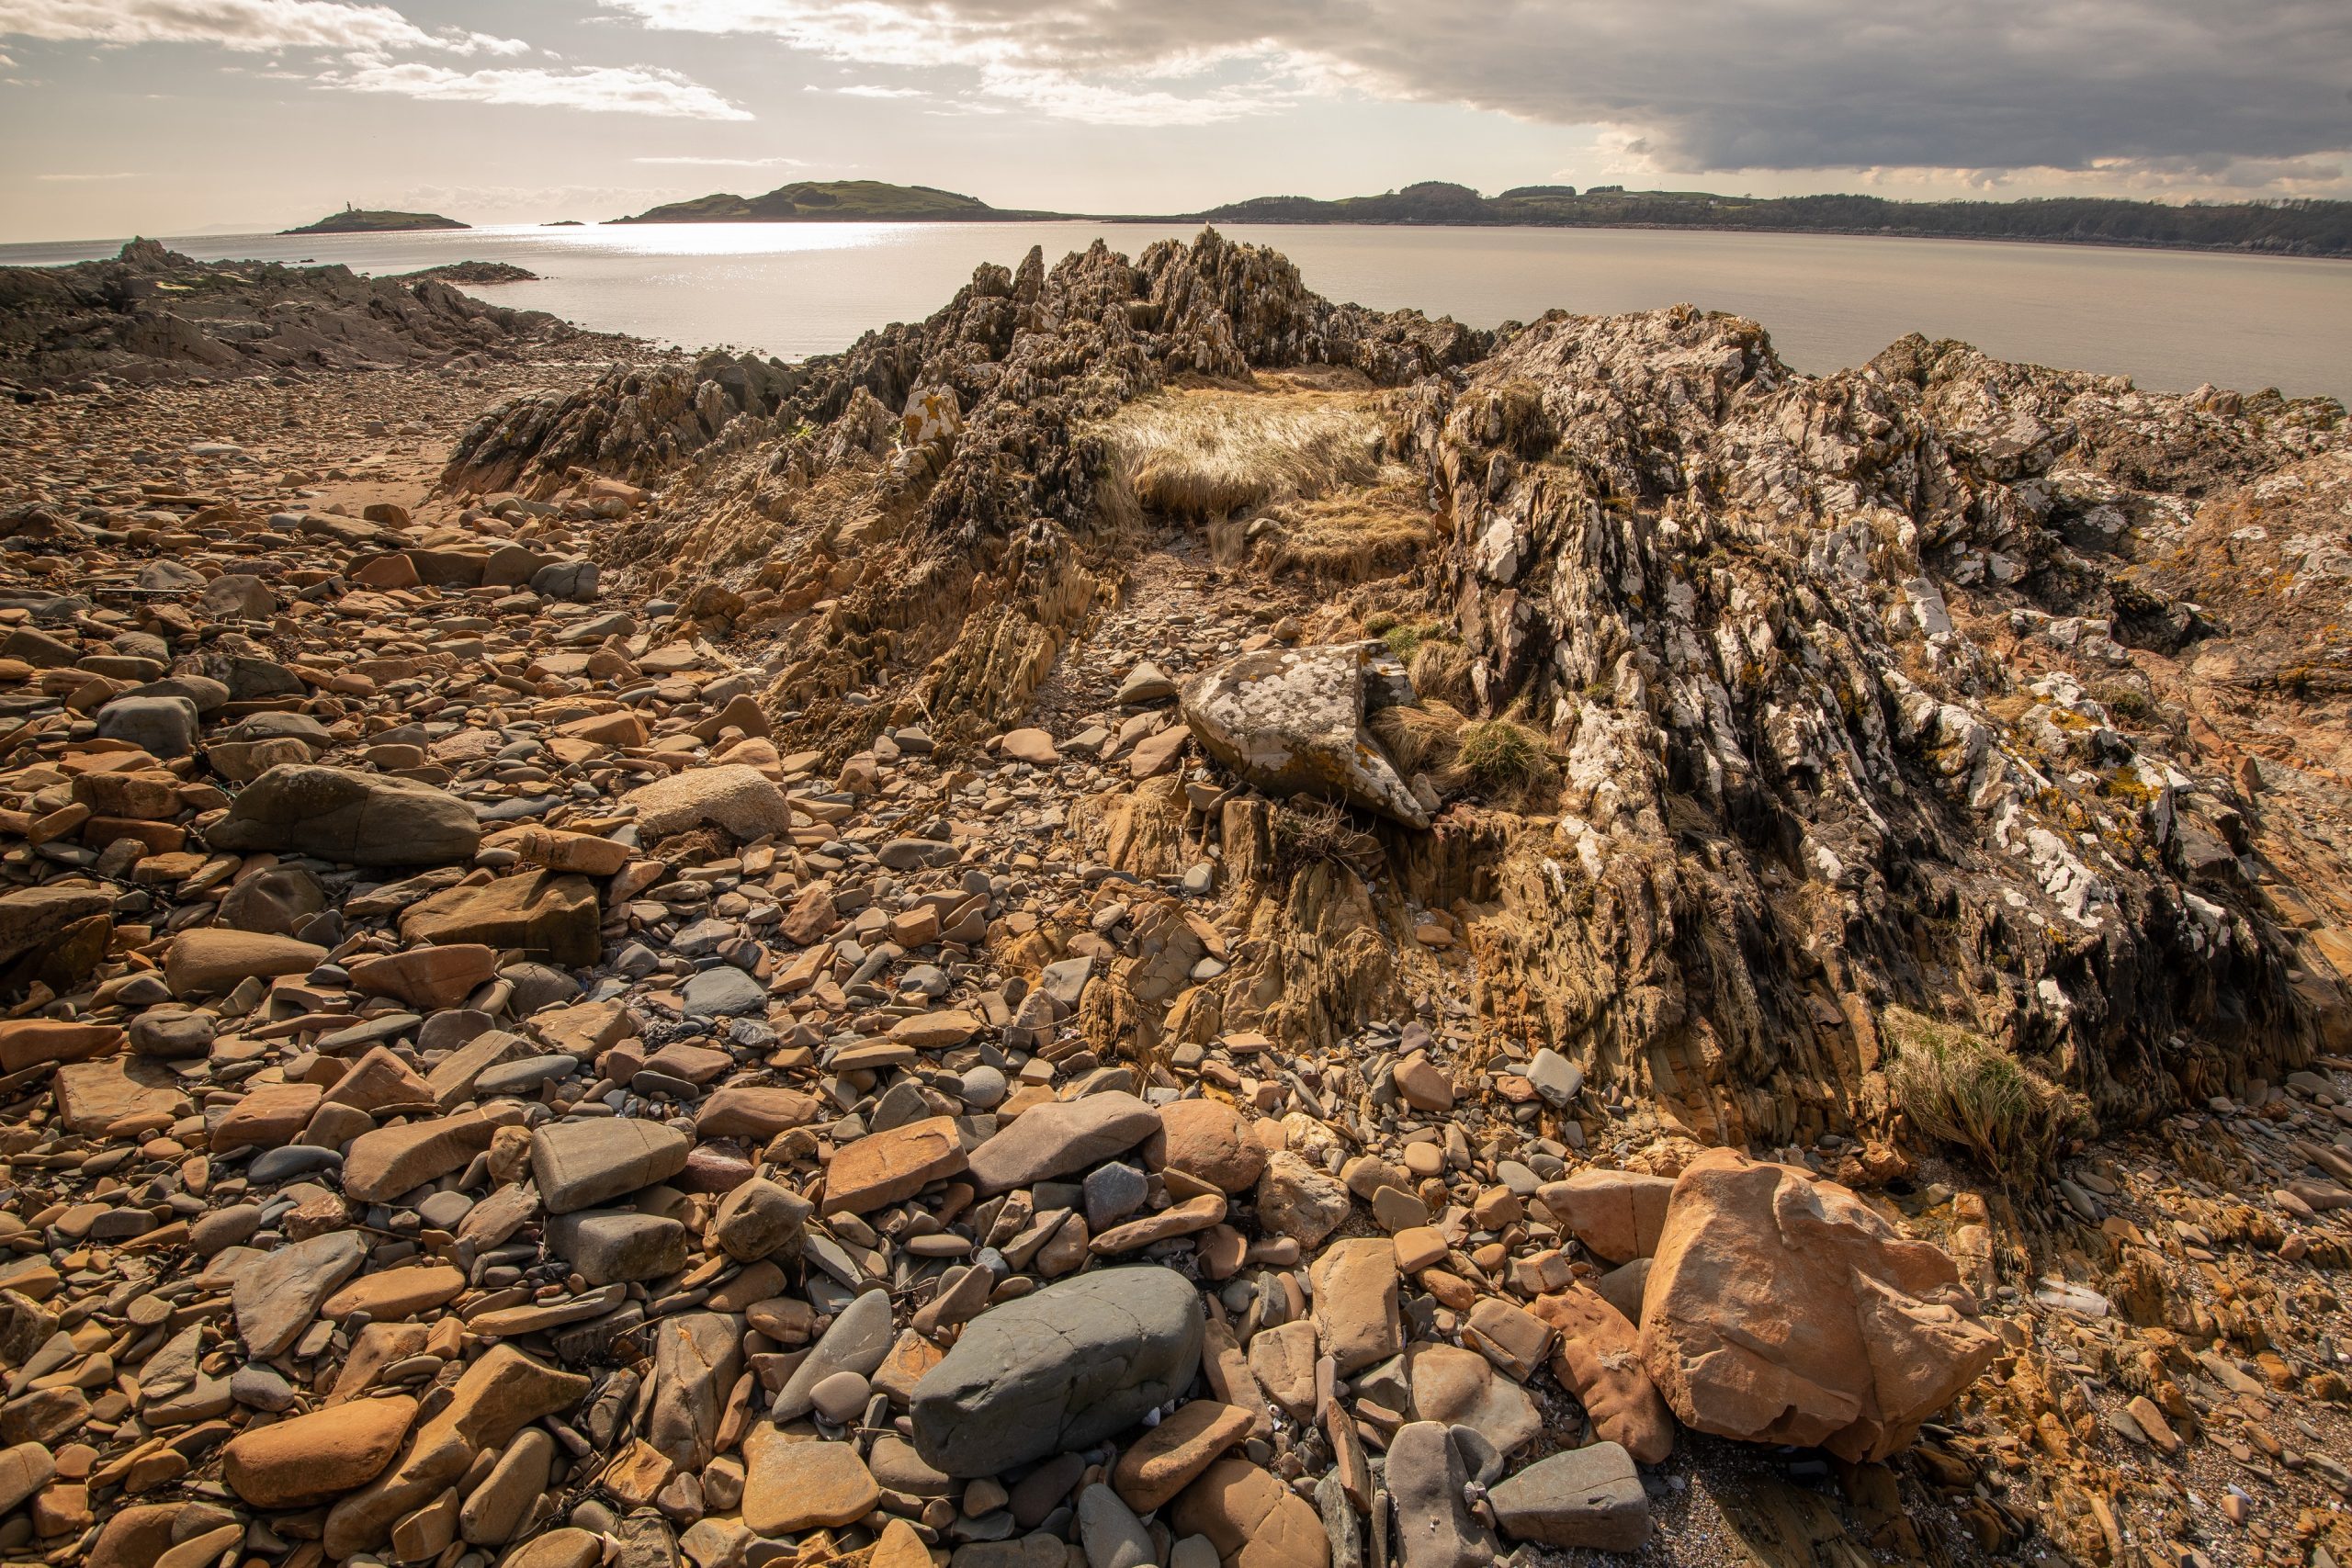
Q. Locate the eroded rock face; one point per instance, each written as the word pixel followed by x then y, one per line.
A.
pixel 1290 721
pixel 815 478
pixel 1785 1310
pixel 1925 616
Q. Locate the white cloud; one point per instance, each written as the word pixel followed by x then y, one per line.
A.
pixel 2158 90
pixel 83 179
pixel 1067 97
pixel 871 90
pixel 609 89
pixel 250 24
pixel 1056 59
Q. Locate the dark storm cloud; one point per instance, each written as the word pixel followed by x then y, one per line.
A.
pixel 2164 84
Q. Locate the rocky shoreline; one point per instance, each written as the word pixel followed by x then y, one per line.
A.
pixel 1159 924
pixel 152 316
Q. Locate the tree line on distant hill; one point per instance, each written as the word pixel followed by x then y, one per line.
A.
pixel 2292 227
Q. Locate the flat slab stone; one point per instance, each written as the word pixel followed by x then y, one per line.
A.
pixel 275 1294
pixel 792 1484
pixel 93 1096
pixel 886 1167
pixel 1061 1137
pixel 1589 1497
pixel 578 1164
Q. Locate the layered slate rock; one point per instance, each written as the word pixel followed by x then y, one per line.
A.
pixel 1617 1213
pixel 1057 1370
pixel 1783 1309
pixel 1598 1358
pixel 1250 1519
pixel 1292 721
pixel 539 913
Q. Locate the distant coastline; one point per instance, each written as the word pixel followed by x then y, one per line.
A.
pixel 2300 228
pixel 2081 243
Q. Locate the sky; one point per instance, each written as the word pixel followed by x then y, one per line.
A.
pixel 188 116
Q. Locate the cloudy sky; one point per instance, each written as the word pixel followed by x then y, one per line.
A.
pixel 176 117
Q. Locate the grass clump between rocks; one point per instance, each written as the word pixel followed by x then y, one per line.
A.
pixel 1441 671
pixel 1503 759
pixel 1307 833
pixel 1960 1089
pixel 1209 453
pixel 1500 752
pixel 1419 737
pixel 1351 536
pixel 1406 639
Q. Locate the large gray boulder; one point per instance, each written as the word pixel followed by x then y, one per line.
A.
pixel 163 726
pixel 357 818
pixel 1057 1370
pixel 1290 721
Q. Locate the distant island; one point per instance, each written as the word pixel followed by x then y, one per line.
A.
pixel 834 201
pixel 2299 226
pixel 364 220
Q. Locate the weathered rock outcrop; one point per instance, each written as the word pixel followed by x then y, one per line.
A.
pixel 841 989
pixel 955 554
pixel 1857 636
pixel 1857 633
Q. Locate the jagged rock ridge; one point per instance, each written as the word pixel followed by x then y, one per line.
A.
pixel 1835 668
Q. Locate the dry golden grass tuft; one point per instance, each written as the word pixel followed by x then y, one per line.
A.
pixel 1211 453
pixel 1503 759
pixel 1308 831
pixel 1959 1089
pixel 1293 476
pixel 1419 737
pixel 1441 671
pixel 1350 537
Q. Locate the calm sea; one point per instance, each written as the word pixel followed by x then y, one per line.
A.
pixel 2171 320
